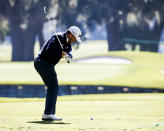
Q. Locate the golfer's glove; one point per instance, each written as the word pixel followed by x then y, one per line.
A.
pixel 68 58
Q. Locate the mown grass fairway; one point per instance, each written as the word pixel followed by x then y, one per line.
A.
pixel 114 112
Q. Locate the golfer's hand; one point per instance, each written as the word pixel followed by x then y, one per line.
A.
pixel 68 58
pixel 64 54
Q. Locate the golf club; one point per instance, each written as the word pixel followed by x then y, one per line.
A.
pixel 68 59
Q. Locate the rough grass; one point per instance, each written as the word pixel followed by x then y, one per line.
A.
pixel 117 112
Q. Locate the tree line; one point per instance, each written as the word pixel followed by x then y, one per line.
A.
pixel 23 21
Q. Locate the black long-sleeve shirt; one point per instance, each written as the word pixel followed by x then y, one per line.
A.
pixel 52 51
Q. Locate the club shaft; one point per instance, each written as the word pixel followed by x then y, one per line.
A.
pixel 51 24
pixel 55 32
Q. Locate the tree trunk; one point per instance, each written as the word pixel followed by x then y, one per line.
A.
pixel 22 43
pixel 16 37
pixel 113 36
pixel 157 31
pixel 17 44
pixel 29 42
pixel 154 35
pixel 34 29
pixel 23 40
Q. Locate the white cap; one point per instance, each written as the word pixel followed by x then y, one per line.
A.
pixel 76 32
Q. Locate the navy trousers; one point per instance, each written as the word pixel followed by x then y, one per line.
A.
pixel 49 77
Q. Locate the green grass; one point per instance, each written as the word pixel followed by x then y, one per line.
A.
pixel 145 71
pixel 115 112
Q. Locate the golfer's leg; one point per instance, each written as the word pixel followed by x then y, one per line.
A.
pixel 52 91
pixel 49 77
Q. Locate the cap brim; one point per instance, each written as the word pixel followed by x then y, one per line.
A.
pixel 78 39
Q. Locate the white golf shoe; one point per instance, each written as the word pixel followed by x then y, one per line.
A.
pixel 51 117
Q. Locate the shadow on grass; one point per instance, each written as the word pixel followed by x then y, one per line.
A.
pixel 48 122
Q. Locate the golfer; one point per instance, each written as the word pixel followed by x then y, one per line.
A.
pixel 57 47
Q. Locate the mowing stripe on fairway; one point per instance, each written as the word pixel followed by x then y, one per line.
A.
pixel 112 112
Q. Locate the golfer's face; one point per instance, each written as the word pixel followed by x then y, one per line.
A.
pixel 72 38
